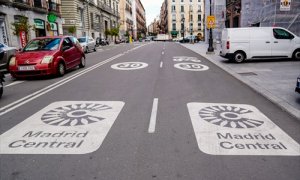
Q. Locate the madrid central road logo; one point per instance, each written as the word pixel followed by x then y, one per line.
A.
pixel 74 114
pixel 229 116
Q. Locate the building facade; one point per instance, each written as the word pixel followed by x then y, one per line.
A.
pixel 90 17
pixel 139 20
pixel 181 18
pixel 126 18
pixel 44 17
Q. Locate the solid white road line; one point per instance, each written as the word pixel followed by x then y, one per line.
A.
pixel 161 64
pixel 14 83
pixel 24 100
pixel 153 116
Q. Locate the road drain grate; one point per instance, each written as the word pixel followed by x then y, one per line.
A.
pixel 247 74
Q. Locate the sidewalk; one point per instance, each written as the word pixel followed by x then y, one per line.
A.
pixel 274 79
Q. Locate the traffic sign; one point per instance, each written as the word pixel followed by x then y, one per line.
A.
pixel 211 22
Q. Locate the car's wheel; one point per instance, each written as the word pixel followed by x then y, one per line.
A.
pixel 1 89
pixel 239 57
pixel 82 62
pixel 95 49
pixel 61 69
pixel 296 55
pixel 86 49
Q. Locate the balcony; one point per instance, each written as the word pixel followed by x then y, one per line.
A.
pixel 22 4
pixel 106 8
pixel 40 6
pixel 54 8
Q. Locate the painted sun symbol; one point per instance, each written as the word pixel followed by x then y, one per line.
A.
pixel 229 116
pixel 74 115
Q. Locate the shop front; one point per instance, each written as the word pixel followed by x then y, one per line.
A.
pixel 40 30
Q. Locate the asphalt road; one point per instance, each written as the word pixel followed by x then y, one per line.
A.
pixel 157 119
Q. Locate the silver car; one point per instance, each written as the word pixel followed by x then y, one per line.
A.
pixel 87 43
pixel 5 54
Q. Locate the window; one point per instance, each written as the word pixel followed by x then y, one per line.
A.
pixel 173 17
pixel 173 8
pixel 182 8
pixel 174 27
pixel 282 34
pixel 191 18
pixel 199 17
pixel 182 1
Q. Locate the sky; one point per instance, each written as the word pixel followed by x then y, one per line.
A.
pixel 152 8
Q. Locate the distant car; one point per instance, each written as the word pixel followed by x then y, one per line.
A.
pixel 47 56
pixel 298 85
pixel 5 54
pixel 187 39
pixel 1 83
pixel 87 43
pixel 147 39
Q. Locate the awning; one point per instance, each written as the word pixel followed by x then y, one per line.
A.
pixel 174 33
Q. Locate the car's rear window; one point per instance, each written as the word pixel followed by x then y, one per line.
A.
pixel 48 44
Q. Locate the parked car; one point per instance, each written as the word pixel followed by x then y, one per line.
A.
pixel 239 44
pixel 47 56
pixel 5 54
pixel 298 85
pixel 1 83
pixel 189 38
pixel 148 39
pixel 87 43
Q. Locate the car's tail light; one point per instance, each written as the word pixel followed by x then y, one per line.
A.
pixel 228 45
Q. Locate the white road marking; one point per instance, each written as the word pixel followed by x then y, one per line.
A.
pixel 14 83
pixel 152 123
pixel 64 127
pixel 163 53
pixel 161 64
pixel 129 66
pixel 191 66
pixel 49 88
pixel 238 129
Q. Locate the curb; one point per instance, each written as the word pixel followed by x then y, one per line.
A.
pixel 267 94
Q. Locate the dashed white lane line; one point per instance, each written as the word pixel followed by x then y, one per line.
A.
pixel 161 64
pixel 152 123
pixel 163 53
pixel 14 83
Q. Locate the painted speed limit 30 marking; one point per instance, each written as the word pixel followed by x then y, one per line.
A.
pixel 185 59
pixel 191 66
pixel 66 127
pixel 129 65
pixel 238 129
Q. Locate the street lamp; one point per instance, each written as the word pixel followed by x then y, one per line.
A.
pixel 210 41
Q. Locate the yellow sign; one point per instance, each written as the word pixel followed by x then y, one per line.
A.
pixel 211 22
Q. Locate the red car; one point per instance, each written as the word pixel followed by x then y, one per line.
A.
pixel 47 56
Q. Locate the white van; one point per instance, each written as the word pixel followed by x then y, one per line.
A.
pixel 239 44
